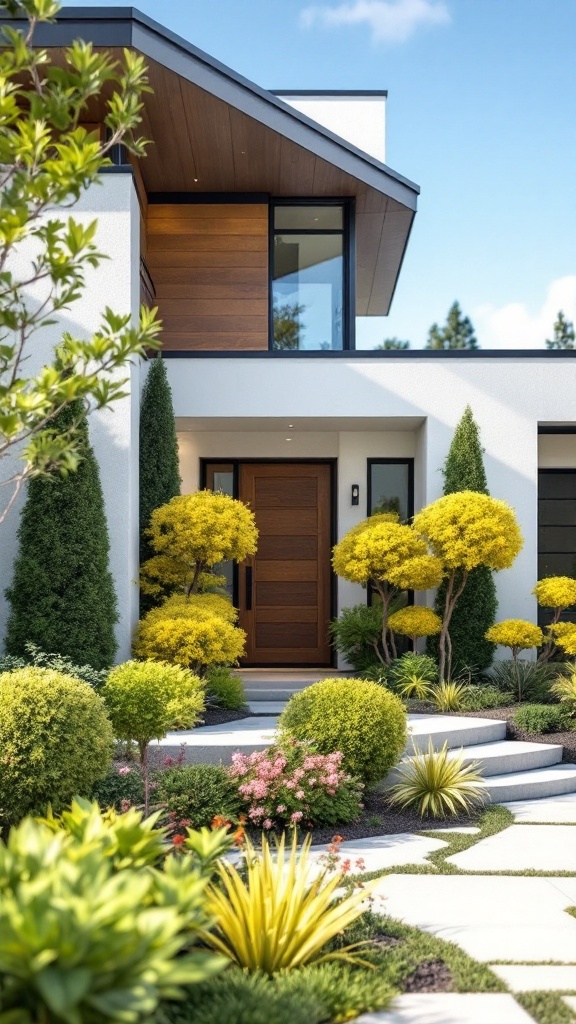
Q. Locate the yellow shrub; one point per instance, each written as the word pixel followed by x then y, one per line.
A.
pixel 556 592
pixel 564 634
pixel 466 529
pixel 192 642
pixel 415 621
pixel 515 633
pixel 196 606
pixel 382 550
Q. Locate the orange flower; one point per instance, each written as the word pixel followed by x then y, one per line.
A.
pixel 178 840
pixel 219 821
pixel 239 837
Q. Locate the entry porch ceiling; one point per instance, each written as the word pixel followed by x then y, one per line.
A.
pixel 215 132
pixel 302 424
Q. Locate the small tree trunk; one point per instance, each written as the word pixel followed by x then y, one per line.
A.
pixel 518 683
pixel 386 596
pixel 548 648
pixel 193 588
pixel 444 643
pixel 143 747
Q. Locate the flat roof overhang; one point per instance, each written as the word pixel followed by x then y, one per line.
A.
pixel 216 132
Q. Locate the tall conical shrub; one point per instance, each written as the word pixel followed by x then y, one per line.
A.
pixel 476 609
pixel 159 473
pixel 62 593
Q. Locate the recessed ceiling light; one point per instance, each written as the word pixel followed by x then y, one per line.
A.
pixel 290 425
pixel 288 438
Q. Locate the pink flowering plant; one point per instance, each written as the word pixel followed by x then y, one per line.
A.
pixel 291 784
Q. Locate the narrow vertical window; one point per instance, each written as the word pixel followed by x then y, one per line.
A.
pixel 309 278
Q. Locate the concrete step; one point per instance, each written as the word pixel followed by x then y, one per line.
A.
pixel 506 756
pixel 540 782
pixel 456 731
pixel 503 757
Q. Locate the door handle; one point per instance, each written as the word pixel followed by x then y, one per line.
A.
pixel 248 595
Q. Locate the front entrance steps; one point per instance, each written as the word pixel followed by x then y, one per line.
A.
pixel 513 770
pixel 278 684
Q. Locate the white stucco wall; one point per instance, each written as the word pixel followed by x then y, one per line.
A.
pixel 509 398
pixel 359 119
pixel 113 433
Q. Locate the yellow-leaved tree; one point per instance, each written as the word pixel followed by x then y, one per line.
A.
pixel 557 593
pixel 382 553
pixel 466 529
pixel 191 534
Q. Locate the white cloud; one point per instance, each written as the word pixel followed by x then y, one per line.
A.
pixel 390 21
pixel 515 326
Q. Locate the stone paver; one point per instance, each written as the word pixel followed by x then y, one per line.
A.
pixel 381 852
pixel 553 809
pixel 491 917
pixel 532 978
pixel 450 1008
pixel 520 848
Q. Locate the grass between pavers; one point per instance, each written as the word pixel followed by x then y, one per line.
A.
pixel 546 1007
pixel 332 993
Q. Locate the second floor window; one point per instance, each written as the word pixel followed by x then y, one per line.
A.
pixel 308 263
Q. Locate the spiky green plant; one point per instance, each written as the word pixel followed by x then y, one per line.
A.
pixel 564 688
pixel 438 783
pixel 414 687
pixel 278 919
pixel 449 696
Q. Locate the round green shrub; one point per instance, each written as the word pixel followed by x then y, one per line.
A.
pixel 197 793
pixel 120 788
pixel 480 697
pixel 146 698
pixel 56 741
pixel 363 720
pixel 224 688
pixel 542 718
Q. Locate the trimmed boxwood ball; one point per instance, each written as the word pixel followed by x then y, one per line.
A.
pixel 363 720
pixel 198 793
pixel 56 741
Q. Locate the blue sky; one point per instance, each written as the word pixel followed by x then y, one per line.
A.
pixel 481 114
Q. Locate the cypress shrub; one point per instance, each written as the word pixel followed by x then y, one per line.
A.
pixel 475 611
pixel 62 593
pixel 159 473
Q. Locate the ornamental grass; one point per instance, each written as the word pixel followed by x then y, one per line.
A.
pixel 278 919
pixel 438 784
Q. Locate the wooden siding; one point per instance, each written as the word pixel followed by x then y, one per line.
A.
pixel 209 265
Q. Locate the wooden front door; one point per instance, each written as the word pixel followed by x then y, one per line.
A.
pixel 284 591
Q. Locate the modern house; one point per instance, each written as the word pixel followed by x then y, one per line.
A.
pixel 263 225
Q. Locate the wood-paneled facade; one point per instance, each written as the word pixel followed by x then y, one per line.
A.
pixel 209 266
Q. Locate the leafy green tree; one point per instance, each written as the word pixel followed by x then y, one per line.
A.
pixel 48 161
pixel 564 336
pixel 393 345
pixel 287 324
pixel 159 474
pixel 475 611
pixel 457 333
pixel 62 593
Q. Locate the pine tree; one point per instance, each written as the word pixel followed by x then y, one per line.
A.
pixel 393 345
pixel 62 594
pixel 476 609
pixel 159 474
pixel 458 332
pixel 564 335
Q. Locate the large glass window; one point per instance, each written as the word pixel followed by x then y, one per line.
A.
pixel 308 277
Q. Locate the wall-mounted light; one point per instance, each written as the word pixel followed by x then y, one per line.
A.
pixel 355 500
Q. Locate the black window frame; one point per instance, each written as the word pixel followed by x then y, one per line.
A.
pixel 349 262
pixel 388 462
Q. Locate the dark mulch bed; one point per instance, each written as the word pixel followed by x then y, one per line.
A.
pixel 219 716
pixel 430 976
pixel 380 819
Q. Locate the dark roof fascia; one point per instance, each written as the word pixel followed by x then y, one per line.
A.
pixel 369 353
pixel 369 93
pixel 126 26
